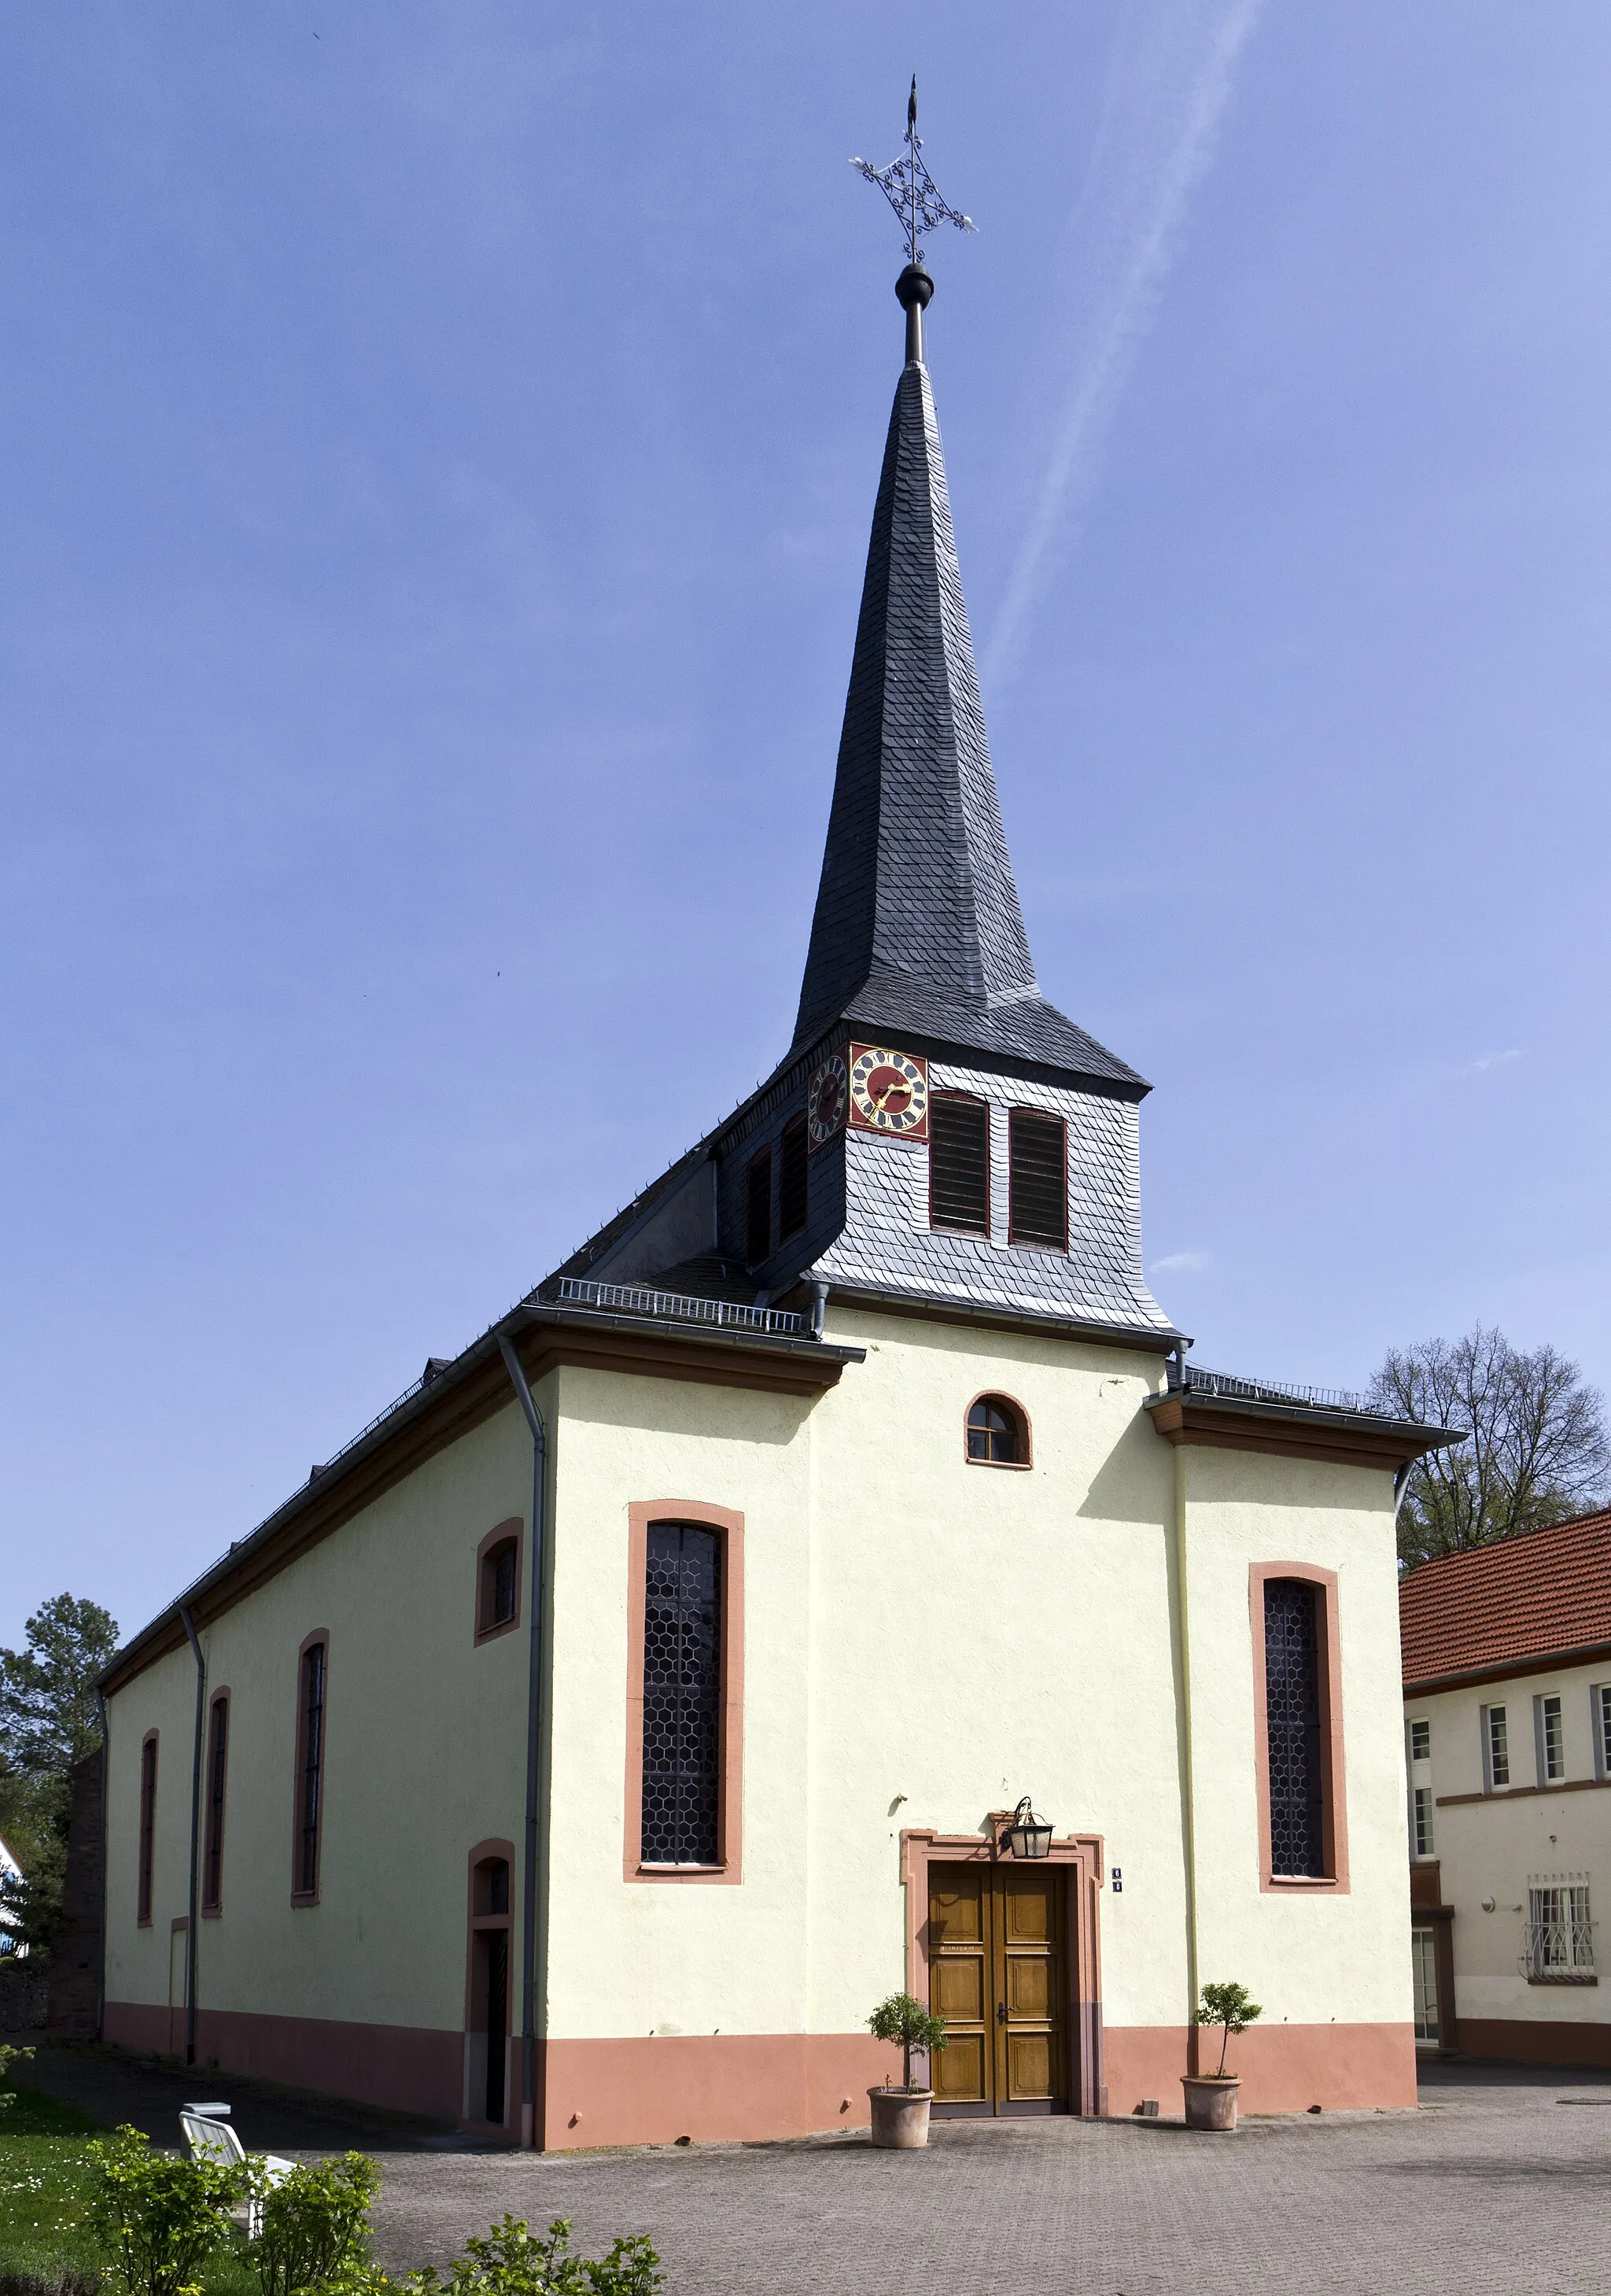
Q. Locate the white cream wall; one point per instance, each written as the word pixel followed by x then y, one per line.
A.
pixel 137 1959
pixel 425 1755
pixel 919 1628
pixel 1308 1957
pixel 1487 1848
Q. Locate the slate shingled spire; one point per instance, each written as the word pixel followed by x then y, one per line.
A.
pixel 918 929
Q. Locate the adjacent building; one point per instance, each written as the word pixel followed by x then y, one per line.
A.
pixel 589 1746
pixel 1506 1654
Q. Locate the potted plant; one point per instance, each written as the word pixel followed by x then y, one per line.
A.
pixel 1211 2097
pixel 900 2116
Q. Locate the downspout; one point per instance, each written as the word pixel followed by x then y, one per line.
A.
pixel 533 1886
pixel 195 1838
pixel 106 1783
pixel 1188 1767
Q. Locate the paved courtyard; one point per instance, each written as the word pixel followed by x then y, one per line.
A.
pixel 1500 2182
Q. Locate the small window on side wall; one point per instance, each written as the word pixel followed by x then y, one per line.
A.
pixel 498 1580
pixel 998 1432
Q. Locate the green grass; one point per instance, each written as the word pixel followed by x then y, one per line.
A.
pixel 45 2182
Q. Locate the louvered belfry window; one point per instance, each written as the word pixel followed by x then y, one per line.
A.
pixel 681 1696
pixel 959 1164
pixel 1292 1712
pixel 1037 1150
pixel 794 1160
pixel 758 1209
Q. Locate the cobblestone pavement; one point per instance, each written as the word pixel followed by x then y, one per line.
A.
pixel 1501 2182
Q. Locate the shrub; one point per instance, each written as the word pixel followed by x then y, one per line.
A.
pixel 162 2218
pixel 8 2058
pixel 902 2018
pixel 512 2260
pixel 314 2225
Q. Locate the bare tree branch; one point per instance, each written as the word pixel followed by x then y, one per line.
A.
pixel 1536 1448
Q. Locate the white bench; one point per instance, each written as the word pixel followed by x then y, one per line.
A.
pixel 210 2138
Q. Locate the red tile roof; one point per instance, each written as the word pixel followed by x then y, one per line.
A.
pixel 1491 1607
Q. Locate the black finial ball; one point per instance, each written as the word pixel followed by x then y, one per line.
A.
pixel 914 286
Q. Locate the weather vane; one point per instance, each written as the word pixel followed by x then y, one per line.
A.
pixel 909 189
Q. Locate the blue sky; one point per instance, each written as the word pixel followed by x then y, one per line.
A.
pixel 440 441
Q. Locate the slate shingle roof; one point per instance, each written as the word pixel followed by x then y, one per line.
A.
pixel 1494 1606
pixel 917 927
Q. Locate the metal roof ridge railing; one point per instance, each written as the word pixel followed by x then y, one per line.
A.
pixel 1201 1381
pixel 681 1307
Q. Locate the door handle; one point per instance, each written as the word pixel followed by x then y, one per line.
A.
pixel 1001 2012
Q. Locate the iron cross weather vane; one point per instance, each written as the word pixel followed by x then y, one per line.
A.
pixel 909 189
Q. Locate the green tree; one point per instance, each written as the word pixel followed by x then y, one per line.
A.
pixel 48 1721
pixel 903 2019
pixel 1536 1448
pixel 1230 2007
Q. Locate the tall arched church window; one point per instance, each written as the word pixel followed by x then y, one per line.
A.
pixel 148 1828
pixel 313 1676
pixel 998 1432
pixel 217 1767
pixel 682 1695
pixel 1292 1709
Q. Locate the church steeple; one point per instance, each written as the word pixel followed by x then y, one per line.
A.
pixel 917 927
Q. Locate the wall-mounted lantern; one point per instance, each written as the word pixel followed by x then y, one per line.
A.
pixel 1028 1836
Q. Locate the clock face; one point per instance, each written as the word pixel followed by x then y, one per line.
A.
pixel 827 1100
pixel 888 1093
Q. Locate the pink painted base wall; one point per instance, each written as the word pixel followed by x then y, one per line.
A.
pixel 707 2086
pixel 1283 2068
pixel 754 2087
pixel 401 2068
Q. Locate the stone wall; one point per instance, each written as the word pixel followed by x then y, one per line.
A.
pixel 74 2012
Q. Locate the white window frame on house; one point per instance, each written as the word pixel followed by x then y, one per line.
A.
pixel 1422 1820
pixel 1420 1741
pixel 1493 1722
pixel 1558 1945
pixel 1549 1738
pixel 1599 1719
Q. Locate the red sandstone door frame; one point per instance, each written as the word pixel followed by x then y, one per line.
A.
pixel 1081 1855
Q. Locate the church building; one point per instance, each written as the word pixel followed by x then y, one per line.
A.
pixel 837 1577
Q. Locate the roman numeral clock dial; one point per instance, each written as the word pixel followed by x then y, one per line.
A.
pixel 888 1093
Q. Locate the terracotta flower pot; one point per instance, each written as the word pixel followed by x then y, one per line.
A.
pixel 1210 2100
pixel 900 2118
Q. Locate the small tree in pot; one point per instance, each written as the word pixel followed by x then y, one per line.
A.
pixel 900 2116
pixel 1211 2097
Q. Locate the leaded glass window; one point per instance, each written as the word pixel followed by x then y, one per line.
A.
pixel 1292 1709
pixel 311 1782
pixel 682 1695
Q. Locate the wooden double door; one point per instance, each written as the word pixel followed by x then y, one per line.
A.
pixel 998 1973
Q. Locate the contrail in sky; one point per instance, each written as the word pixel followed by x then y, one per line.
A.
pixel 1169 77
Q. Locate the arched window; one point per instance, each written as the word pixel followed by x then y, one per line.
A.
pixel 682 1612
pixel 998 1432
pixel 498 1579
